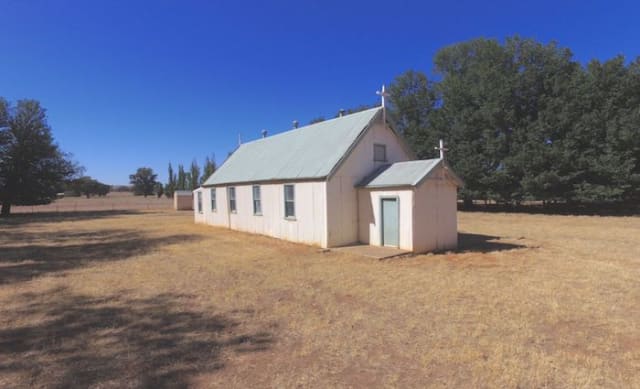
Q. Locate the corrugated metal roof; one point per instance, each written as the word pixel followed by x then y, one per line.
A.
pixel 408 173
pixel 309 152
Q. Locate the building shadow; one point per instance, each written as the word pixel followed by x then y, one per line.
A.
pixel 24 255
pixel 119 341
pixel 480 243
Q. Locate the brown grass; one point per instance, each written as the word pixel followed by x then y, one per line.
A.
pixel 151 299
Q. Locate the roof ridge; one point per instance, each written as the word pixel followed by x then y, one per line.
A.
pixel 418 160
pixel 308 126
pixel 310 152
pixel 401 173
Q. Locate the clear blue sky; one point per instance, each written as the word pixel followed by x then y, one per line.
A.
pixel 142 83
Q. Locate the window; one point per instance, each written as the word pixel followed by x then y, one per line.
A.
pixel 199 201
pixel 379 153
pixel 232 199
pixel 257 205
pixel 289 202
pixel 213 199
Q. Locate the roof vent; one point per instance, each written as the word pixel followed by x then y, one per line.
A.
pixel 295 124
pixel 341 112
pixel 264 133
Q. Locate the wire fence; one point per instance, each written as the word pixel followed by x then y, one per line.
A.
pixel 116 202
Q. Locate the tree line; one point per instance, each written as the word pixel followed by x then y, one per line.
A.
pixel 34 170
pixel 86 186
pixel 188 180
pixel 144 181
pixel 525 121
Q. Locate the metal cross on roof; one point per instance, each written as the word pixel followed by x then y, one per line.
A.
pixel 383 93
pixel 441 148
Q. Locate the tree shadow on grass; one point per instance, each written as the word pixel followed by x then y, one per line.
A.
pixel 54 217
pixel 596 209
pixel 479 243
pixel 118 341
pixel 24 256
pixel 19 236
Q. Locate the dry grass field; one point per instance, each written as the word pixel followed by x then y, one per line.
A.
pixel 149 299
pixel 114 201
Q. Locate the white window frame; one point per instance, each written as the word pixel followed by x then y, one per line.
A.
pixel 199 200
pixel 292 200
pixel 376 147
pixel 233 204
pixel 214 203
pixel 257 200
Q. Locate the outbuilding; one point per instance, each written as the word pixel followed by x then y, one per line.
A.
pixel 339 182
pixel 183 200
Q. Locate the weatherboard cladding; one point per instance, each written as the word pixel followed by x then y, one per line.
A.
pixel 310 152
pixel 409 173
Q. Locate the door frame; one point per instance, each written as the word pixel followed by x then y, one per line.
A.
pixel 397 199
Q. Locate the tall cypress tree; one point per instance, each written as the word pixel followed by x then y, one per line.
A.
pixel 170 187
pixel 194 175
pixel 181 183
pixel 208 169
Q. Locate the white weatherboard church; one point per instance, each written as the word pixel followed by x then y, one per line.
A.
pixel 339 182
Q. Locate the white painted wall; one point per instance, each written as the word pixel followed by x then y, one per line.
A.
pixel 435 223
pixel 370 227
pixel 342 195
pixel 217 218
pixel 309 225
pixel 198 216
pixel 336 213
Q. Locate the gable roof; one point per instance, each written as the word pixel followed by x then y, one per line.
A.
pixel 409 173
pixel 310 152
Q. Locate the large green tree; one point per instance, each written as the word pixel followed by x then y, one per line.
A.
pixel 544 96
pixel 476 112
pixel 412 109
pixel 5 137
pixel 33 169
pixel 607 133
pixel 525 121
pixel 143 181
